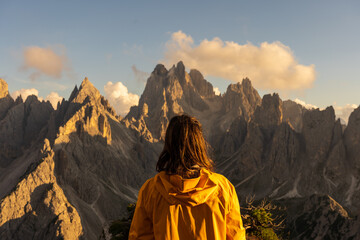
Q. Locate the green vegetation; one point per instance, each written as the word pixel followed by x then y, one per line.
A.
pixel 119 229
pixel 262 221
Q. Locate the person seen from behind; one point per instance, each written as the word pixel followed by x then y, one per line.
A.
pixel 186 199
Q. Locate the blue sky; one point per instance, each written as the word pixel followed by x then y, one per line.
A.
pixel 103 40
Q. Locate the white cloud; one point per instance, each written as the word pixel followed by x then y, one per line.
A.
pixel 270 66
pixel 304 104
pixel 343 112
pixel 25 93
pixel 217 91
pixel 53 98
pixel 45 61
pixel 119 97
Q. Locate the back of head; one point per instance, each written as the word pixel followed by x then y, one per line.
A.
pixel 184 150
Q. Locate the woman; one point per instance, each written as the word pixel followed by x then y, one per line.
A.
pixel 186 199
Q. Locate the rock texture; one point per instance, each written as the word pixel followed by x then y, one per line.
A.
pixel 6 102
pixel 174 91
pixel 293 113
pixel 99 165
pixel 94 162
pixel 4 91
pixel 241 99
pixel 37 208
pixel 321 217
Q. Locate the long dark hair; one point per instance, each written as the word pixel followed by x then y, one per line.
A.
pixel 185 150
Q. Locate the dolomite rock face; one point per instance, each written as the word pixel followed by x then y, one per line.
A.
pixel 246 166
pixel 6 102
pixel 318 130
pixel 233 138
pixel 265 147
pixel 293 113
pixel 174 91
pixel 97 163
pixel 275 160
pixel 38 208
pixel 3 88
pixel 21 126
pixel 241 98
pixel 100 163
pixel 321 217
pixel 352 143
pixel 352 138
pixel 166 94
pixel 269 114
pixel 203 87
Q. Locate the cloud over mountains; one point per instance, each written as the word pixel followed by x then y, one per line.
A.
pixel 45 61
pixel 119 97
pixel 53 97
pixel 271 66
pixel 25 93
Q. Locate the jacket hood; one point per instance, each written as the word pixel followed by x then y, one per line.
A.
pixel 192 191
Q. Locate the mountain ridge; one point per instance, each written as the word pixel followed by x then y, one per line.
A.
pixel 266 147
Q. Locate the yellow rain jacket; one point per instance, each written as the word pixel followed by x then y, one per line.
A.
pixel 170 207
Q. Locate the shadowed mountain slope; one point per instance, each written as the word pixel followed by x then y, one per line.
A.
pixel 95 162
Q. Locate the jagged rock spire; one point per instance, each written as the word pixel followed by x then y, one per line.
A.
pixel 160 70
pixel 86 89
pixel 4 91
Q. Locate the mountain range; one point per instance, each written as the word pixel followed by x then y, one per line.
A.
pixel 66 173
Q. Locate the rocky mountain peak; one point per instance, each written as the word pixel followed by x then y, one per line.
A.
pixel 236 87
pixel 86 89
pixel 201 85
pixel 293 113
pixel 31 99
pixel 167 93
pixel 4 91
pixel 73 93
pixel 180 69
pixel 269 114
pixel 242 97
pixel 352 136
pixel 6 102
pixel 160 70
pixel 246 83
pixel 318 128
pixel 93 163
pixel 244 87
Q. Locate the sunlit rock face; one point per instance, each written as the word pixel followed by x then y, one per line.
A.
pixel 174 91
pixel 6 102
pixel 99 161
pixel 37 208
pixel 241 99
pixel 22 131
pixel 4 91
pixel 166 94
pixel 93 170
pixel 93 162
